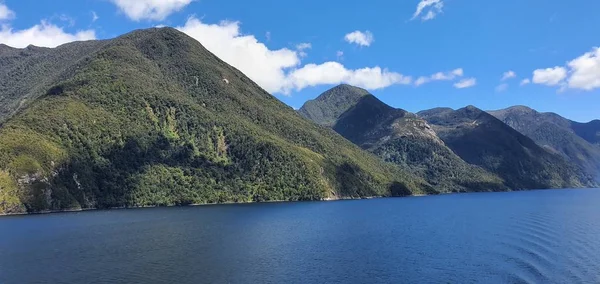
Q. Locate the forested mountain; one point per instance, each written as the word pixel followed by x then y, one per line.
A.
pixel 153 118
pixel 481 139
pixel 399 137
pixel 327 108
pixel 573 140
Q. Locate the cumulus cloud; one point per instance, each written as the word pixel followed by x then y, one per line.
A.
pixel 440 76
pixel 428 9
pixel 549 76
pixel 5 13
pixel 332 73
pixel 581 73
pixel 361 38
pixel 156 10
pixel 280 71
pixel 466 83
pixel 585 71
pixel 501 88
pixel 45 34
pixel 508 75
pixel 264 66
pixel 525 82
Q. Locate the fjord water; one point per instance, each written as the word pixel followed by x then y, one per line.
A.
pixel 517 237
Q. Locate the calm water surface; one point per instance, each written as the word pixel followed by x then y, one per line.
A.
pixel 521 237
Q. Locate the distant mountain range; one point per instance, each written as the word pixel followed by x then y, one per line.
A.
pixel 577 142
pixel 457 150
pixel 153 118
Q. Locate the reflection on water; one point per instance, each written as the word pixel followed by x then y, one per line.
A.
pixel 521 237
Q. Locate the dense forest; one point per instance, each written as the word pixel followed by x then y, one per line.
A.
pixel 153 118
pixel 455 151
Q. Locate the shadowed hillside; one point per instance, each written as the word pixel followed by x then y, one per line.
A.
pixel 481 139
pixel 402 138
pixel 573 140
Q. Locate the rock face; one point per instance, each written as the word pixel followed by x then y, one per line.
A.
pixel 481 139
pixel 153 118
pixel 399 137
pixel 577 142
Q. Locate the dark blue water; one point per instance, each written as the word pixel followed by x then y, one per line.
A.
pixel 521 237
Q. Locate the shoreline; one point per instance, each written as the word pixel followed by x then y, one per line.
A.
pixel 329 199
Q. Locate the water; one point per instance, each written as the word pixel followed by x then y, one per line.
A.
pixel 521 237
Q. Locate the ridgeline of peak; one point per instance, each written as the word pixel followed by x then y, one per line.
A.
pixel 481 139
pixel 330 105
pixel 153 118
pixel 404 139
pixel 577 142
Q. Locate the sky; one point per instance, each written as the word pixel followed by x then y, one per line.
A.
pixel 411 54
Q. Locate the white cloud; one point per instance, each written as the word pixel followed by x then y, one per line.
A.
pixel 585 71
pixel 501 88
pixel 339 55
pixel 264 66
pixel 525 82
pixel 466 83
pixel 549 76
pixel 332 73
pixel 94 16
pixel 45 34
pixel 268 36
pixel 156 10
pixel 5 13
pixel 280 71
pixel 508 75
pixel 440 76
pixel 361 38
pixel 302 47
pixel 434 7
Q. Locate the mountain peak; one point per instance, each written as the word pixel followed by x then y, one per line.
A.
pixel 344 91
pixel 328 107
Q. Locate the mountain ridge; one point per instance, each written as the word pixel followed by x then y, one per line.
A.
pixel 481 139
pixel 572 140
pixel 402 138
pixel 152 118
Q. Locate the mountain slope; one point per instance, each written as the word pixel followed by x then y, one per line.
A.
pixel 570 139
pixel 153 118
pixel 481 139
pixel 326 108
pixel 589 131
pixel 402 138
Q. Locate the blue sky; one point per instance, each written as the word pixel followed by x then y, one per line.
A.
pixel 448 53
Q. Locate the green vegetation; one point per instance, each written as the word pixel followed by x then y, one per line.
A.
pixel 127 125
pixel 483 140
pixel 401 138
pixel 572 140
pixel 329 106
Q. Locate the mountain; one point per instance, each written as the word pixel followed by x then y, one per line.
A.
pixel 589 131
pixel 573 140
pixel 399 137
pixel 481 139
pixel 153 118
pixel 326 108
